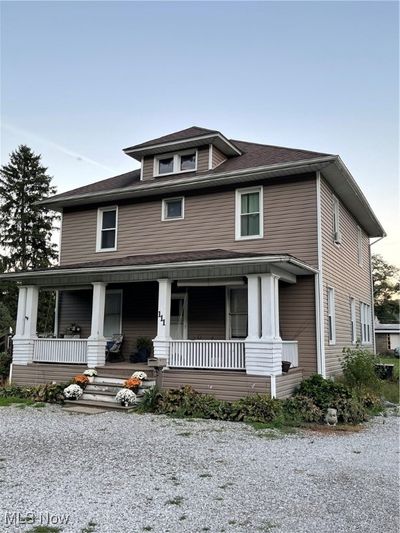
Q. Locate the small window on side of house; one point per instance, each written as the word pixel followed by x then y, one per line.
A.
pixel 173 209
pixel 337 236
pixel 353 326
pixel 107 227
pixel 366 323
pixel 331 316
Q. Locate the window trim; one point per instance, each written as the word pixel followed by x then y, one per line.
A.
pixel 100 230
pixel 238 214
pixel 353 321
pixel 175 163
pixel 114 291
pixel 164 202
pixel 331 316
pixel 365 321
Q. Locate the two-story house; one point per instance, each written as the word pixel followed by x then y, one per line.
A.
pixel 232 256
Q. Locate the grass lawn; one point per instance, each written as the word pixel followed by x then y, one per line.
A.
pixel 390 389
pixel 5 402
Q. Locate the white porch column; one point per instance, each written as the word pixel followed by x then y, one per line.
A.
pixel 25 331
pixel 263 352
pixel 96 346
pixel 162 341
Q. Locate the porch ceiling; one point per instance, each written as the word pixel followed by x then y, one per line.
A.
pixel 203 264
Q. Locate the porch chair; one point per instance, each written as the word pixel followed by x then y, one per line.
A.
pixel 114 348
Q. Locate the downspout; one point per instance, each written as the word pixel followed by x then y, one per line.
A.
pixel 372 295
pixel 319 310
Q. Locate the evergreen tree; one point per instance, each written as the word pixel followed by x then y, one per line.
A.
pixel 26 227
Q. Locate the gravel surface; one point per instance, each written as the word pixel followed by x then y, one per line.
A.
pixel 134 473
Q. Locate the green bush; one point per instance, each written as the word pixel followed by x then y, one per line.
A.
pixel 50 393
pixel 5 362
pixel 359 369
pixel 256 408
pixel 323 392
pixel 300 409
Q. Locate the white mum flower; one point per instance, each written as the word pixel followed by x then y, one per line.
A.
pixel 73 392
pixel 139 375
pixel 125 396
pixel 91 372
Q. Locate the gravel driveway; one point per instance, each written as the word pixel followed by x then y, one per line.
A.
pixel 134 473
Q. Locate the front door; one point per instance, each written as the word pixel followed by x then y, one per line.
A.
pixel 179 316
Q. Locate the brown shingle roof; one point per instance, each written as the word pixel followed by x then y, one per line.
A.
pixel 170 257
pixel 254 155
pixel 188 133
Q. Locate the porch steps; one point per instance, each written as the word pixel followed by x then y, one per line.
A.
pixel 102 390
pixel 101 405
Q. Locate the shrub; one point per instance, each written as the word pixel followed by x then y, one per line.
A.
pixel 256 408
pixel 351 411
pixel 301 409
pixel 359 369
pixel 151 399
pixel 5 362
pixel 51 393
pixel 323 392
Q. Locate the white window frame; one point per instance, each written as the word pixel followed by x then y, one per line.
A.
pixel 359 246
pixel 353 324
pixel 366 323
pixel 331 317
pixel 176 162
pixel 238 214
pixel 100 230
pixel 114 291
pixel 164 203
pixel 337 237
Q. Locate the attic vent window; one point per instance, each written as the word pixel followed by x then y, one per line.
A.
pixel 177 163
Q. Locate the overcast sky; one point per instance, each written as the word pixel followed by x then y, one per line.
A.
pixel 82 80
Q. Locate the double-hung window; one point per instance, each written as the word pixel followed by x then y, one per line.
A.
pixel 353 330
pixel 175 163
pixel 249 213
pixel 366 325
pixel 331 316
pixel 107 224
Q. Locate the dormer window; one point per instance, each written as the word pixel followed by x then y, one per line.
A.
pixel 173 164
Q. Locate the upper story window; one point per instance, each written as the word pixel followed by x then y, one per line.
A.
pixel 337 237
pixel 249 213
pixel 107 223
pixel 172 164
pixel 173 209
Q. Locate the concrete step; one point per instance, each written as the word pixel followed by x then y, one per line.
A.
pixel 108 380
pixel 98 397
pixel 104 405
pixel 100 387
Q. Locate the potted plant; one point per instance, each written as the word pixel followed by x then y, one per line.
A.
pixel 139 375
pixel 90 373
pixel 286 366
pixel 144 347
pixel 73 392
pixel 81 380
pixel 125 397
pixel 132 384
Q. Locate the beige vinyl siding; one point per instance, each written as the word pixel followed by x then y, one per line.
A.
pixel 75 307
pixel 342 272
pixel 289 225
pixel 297 319
pixel 286 383
pixel 217 157
pixel 148 168
pixel 223 384
pixel 203 158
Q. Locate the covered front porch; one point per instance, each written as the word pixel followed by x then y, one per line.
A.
pixel 241 316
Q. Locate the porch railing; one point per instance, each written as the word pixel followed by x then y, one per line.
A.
pixel 60 350
pixel 222 355
pixel 290 352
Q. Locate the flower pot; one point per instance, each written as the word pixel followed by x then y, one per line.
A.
pixel 286 366
pixel 91 379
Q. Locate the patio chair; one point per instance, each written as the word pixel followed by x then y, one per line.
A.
pixel 114 348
